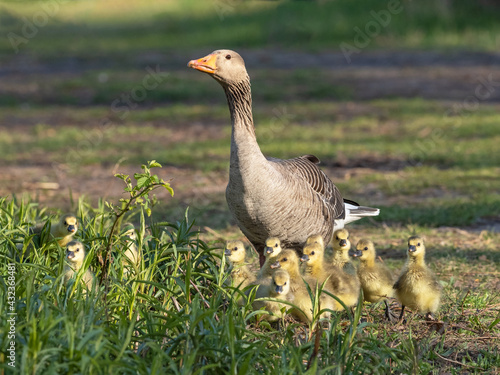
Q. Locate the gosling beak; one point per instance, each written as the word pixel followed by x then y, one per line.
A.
pixel 279 289
pixel 343 242
pixel 71 228
pixel 357 253
pixel 268 250
pixel 275 265
pixel 304 258
pixel 70 255
pixel 205 64
pixel 412 248
pixel 227 252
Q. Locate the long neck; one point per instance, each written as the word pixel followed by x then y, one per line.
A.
pixel 239 99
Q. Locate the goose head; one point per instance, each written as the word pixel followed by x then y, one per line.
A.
pixel 341 240
pixel 235 251
pixel 364 250
pixel 225 66
pixel 315 238
pixel 281 282
pixel 287 260
pixel 416 246
pixel 273 247
pixel 312 253
pixel 75 252
pixel 68 223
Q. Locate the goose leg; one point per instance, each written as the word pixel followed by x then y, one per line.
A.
pixel 402 313
pixel 388 313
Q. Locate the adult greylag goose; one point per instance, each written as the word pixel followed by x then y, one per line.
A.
pixel 268 197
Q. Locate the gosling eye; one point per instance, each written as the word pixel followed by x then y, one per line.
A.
pixel 77 250
pixel 312 252
pixel 235 249
pixel 65 223
pixel 336 237
pixel 276 245
pixel 228 57
pixel 418 244
pixel 284 259
pixel 366 248
pixel 285 283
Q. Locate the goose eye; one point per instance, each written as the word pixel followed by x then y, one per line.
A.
pixel 366 248
pixel 65 223
pixel 228 57
pixel 276 245
pixel 336 237
pixel 284 259
pixel 312 252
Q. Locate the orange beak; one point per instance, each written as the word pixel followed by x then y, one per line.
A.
pixel 205 64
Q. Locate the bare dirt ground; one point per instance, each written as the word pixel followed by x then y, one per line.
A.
pixel 439 76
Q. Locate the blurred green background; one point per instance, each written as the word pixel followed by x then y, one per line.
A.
pixel 407 122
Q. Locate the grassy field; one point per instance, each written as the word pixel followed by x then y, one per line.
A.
pixel 408 126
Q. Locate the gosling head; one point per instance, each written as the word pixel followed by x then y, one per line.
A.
pixel 312 253
pixel 341 240
pixel 287 260
pixel 235 251
pixel 225 66
pixel 70 223
pixel 416 246
pixel 281 282
pixel 315 239
pixel 364 250
pixel 273 247
pixel 75 253
pixel 130 233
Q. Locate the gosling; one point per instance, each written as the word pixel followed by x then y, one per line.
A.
pixel 241 276
pixel 63 231
pixel 278 288
pixel 418 287
pixel 289 261
pixel 344 286
pixel 341 246
pixel 75 255
pixel 271 252
pixel 131 257
pixel 376 278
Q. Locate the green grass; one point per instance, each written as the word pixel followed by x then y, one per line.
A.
pixel 424 167
pixel 175 315
pixel 111 28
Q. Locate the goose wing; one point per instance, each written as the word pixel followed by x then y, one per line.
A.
pixel 305 168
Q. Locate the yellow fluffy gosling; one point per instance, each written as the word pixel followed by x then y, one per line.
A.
pixel 63 231
pixel 376 278
pixel 75 255
pixel 418 287
pixel 271 251
pixel 241 276
pixel 344 286
pixel 278 288
pixel 341 246
pixel 289 261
